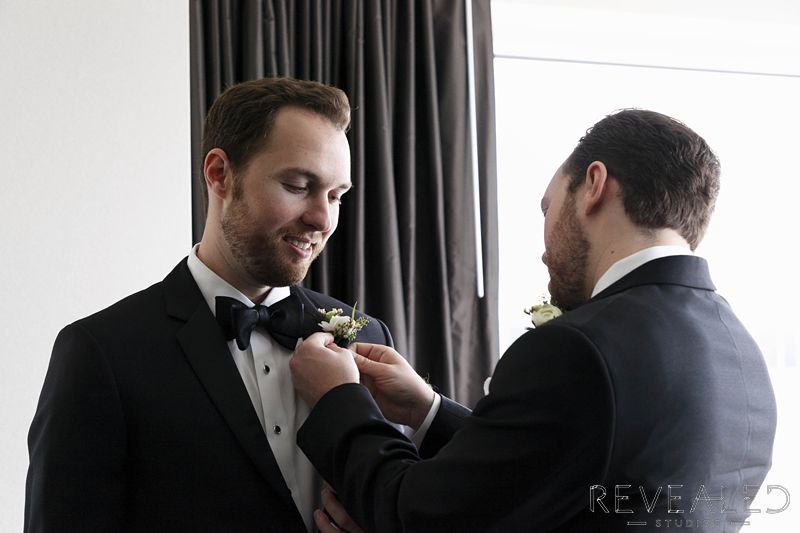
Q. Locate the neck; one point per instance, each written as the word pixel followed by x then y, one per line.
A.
pixel 611 251
pixel 217 257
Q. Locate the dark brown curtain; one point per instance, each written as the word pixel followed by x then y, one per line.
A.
pixel 405 248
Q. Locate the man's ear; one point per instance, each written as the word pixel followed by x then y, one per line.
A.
pixel 218 173
pixel 597 187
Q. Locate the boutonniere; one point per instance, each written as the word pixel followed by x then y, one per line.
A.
pixel 544 312
pixel 344 328
pixel 540 313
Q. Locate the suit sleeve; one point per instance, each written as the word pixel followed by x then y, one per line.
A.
pixel 522 461
pixel 76 442
pixel 449 419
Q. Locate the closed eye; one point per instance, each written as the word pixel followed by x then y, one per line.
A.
pixel 296 189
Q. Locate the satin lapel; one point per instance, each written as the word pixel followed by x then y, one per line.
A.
pixel 311 317
pixel 207 351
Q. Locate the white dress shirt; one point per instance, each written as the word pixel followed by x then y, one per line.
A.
pixel 264 368
pixel 419 435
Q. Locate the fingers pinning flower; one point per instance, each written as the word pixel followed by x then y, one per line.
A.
pixel 343 328
pixel 542 313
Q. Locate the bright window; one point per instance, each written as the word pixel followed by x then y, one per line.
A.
pixel 731 71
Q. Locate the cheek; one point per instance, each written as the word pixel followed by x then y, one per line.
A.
pixel 264 218
pixel 279 210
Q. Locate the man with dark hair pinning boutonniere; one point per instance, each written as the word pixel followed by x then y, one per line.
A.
pixel 173 409
pixel 645 406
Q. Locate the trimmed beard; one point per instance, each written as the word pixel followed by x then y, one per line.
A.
pixel 568 259
pixel 259 254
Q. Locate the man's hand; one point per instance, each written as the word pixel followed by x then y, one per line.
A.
pixel 403 396
pixel 334 518
pixel 318 365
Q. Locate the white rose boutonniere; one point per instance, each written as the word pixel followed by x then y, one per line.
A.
pixel 344 328
pixel 541 313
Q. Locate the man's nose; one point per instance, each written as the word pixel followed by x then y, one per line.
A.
pixel 318 214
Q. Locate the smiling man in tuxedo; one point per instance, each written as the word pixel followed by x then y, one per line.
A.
pixel 645 406
pixel 174 410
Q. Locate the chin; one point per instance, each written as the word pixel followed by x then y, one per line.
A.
pixel 283 275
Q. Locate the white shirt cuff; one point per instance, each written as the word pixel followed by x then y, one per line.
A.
pixel 419 435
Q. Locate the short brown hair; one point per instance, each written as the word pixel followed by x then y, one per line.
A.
pixel 668 175
pixel 241 118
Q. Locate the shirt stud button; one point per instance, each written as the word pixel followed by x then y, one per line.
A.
pixel 266 368
pixel 276 429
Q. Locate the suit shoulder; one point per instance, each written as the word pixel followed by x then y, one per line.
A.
pixel 561 335
pixel 558 349
pixel 136 304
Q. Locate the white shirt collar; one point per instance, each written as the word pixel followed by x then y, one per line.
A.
pixel 628 264
pixel 211 285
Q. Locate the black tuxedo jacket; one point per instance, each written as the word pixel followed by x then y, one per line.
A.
pixel 652 383
pixel 144 424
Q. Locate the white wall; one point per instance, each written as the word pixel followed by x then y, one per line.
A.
pixel 95 166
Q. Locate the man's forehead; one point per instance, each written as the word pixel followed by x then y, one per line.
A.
pixel 555 181
pixel 558 175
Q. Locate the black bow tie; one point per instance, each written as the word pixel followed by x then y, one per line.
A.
pixel 283 319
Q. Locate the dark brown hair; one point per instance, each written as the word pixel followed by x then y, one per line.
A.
pixel 668 175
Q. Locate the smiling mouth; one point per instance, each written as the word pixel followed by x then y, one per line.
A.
pixel 303 246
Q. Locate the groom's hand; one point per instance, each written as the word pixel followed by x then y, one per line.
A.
pixel 403 396
pixel 334 517
pixel 318 365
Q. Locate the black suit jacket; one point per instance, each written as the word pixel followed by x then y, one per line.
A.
pixel 652 383
pixel 144 424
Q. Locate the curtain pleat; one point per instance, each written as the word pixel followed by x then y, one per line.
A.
pixel 405 246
